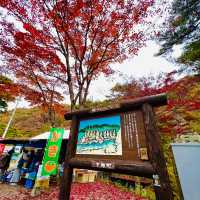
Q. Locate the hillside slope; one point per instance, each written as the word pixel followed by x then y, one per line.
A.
pixel 28 123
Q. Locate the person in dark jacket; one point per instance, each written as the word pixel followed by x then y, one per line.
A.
pixel 4 162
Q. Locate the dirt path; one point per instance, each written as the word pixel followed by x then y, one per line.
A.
pixel 10 192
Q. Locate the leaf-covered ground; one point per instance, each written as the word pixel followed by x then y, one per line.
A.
pixel 80 191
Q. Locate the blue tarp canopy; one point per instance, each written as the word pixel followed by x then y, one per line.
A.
pixel 25 143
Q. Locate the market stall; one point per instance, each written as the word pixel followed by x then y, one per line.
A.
pixel 26 158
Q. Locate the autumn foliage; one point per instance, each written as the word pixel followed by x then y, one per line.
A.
pixel 8 92
pixel 79 191
pixel 181 115
pixel 66 44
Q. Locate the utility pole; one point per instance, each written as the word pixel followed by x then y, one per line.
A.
pixel 11 118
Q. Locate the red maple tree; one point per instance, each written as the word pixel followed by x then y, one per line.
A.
pixel 183 99
pixel 68 43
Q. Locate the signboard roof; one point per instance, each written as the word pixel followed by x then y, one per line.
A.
pixel 154 100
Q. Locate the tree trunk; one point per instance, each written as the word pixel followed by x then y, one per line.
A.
pixel 51 116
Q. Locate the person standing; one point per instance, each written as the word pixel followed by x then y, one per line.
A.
pixel 4 163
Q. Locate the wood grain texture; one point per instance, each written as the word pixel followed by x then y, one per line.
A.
pixel 138 168
pixel 66 181
pixel 133 137
pixel 156 156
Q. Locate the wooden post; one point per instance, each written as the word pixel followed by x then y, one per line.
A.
pixel 163 190
pixel 65 185
pixel 119 166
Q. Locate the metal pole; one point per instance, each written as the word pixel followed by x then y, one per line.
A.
pixel 11 118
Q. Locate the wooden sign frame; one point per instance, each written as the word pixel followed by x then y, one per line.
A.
pixel 143 158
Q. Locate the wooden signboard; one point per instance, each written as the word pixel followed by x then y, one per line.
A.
pixel 122 140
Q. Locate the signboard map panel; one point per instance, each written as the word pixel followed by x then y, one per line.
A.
pixel 100 136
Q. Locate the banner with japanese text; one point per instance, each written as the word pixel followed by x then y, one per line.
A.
pixel 52 152
pixel 2 147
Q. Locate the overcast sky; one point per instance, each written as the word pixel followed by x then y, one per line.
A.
pixel 142 65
